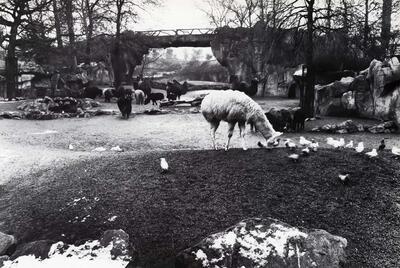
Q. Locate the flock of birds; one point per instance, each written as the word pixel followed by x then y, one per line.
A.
pixel 308 146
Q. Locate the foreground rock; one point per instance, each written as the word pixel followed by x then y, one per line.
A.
pixel 39 249
pixel 112 250
pixel 266 243
pixel 6 242
pixel 119 241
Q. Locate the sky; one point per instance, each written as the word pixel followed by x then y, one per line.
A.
pixel 176 14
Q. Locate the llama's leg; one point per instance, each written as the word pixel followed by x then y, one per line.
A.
pixel 242 129
pixel 230 134
pixel 214 126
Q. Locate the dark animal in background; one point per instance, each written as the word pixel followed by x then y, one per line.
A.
pixel 154 97
pixel 125 102
pixel 145 86
pixel 299 117
pixel 281 120
pixel 382 145
pixel 108 95
pixel 92 92
pixel 171 96
pixel 249 90
pixel 175 89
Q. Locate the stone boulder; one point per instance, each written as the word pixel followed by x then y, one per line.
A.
pixel 329 98
pixel 3 259
pixel 6 242
pixel 119 241
pixel 375 93
pixel 265 243
pixel 39 249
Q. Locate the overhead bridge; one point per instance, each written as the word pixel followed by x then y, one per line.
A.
pixel 198 37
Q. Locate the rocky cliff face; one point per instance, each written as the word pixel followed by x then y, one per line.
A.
pixel 265 53
pixel 375 93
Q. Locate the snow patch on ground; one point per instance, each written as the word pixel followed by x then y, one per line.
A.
pixel 88 255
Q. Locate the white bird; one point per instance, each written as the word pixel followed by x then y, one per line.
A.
pixel 335 143
pixel 304 142
pixel 350 145
pixel 373 153
pixel 71 147
pixel 344 177
pixel 117 149
pixel 294 157
pixel 360 147
pixel 330 141
pixel 313 146
pixel 341 142
pixel 99 149
pixel 395 150
pixel 274 143
pixel 305 151
pixel 164 165
pixel 290 144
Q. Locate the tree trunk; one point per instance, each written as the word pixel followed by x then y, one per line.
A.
pixel 11 75
pixel 386 25
pixel 329 14
pixel 89 31
pixel 308 104
pixel 57 24
pixel 366 25
pixel 89 37
pixel 12 64
pixel 116 61
pixel 71 32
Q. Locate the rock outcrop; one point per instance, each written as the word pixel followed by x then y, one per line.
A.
pixel 265 243
pixel 112 250
pixel 375 93
pixel 6 242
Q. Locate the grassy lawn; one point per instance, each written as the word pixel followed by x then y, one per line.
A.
pixel 208 191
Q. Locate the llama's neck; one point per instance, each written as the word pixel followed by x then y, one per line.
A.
pixel 265 127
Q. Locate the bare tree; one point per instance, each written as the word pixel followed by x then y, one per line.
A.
pixel 14 14
pixel 386 25
pixel 57 22
pixel 121 12
pixel 217 13
pixel 93 19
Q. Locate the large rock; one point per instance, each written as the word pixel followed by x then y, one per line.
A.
pixel 329 98
pixel 373 94
pixel 3 259
pixel 265 243
pixel 39 249
pixel 6 242
pixel 119 240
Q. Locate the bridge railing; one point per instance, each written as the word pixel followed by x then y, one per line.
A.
pixel 175 32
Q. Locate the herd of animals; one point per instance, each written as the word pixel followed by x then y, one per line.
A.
pixel 282 120
pixel 142 93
